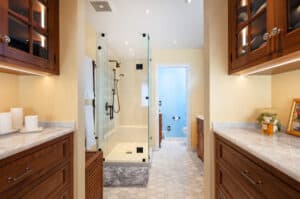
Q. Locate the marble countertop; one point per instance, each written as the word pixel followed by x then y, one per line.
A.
pixel 18 142
pixel 282 151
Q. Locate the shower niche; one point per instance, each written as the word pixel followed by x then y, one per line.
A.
pixel 122 108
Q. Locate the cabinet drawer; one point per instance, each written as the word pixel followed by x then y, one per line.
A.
pixel 226 184
pixel 51 186
pixel 250 176
pixel 33 164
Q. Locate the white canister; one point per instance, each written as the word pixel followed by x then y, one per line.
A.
pixel 17 117
pixel 5 122
pixel 31 122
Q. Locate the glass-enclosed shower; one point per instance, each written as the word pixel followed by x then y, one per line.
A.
pixel 122 99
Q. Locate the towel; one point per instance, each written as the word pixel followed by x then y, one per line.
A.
pixel 89 79
pixel 89 127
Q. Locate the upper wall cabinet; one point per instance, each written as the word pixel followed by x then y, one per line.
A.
pixel 261 31
pixel 29 35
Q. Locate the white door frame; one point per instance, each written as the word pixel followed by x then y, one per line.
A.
pixel 188 90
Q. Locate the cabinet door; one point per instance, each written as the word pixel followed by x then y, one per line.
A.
pixel 289 24
pixel 31 32
pixel 249 23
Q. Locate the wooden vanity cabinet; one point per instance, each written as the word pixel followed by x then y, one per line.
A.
pixel 200 140
pixel 94 175
pixel 45 171
pixel 262 31
pixel 239 175
pixel 29 35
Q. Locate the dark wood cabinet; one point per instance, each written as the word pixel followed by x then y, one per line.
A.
pixel 262 31
pixel 29 35
pixel 200 138
pixel 45 171
pixel 160 129
pixel 94 175
pixel 242 175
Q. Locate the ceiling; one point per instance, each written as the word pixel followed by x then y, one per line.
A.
pixel 171 24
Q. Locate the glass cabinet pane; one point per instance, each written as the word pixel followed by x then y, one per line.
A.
pixel 258 29
pixel 242 11
pixel 293 14
pixel 40 45
pixel 19 34
pixel 19 6
pixel 243 41
pixel 39 14
pixel 257 6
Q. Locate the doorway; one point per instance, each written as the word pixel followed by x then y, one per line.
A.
pixel 173 101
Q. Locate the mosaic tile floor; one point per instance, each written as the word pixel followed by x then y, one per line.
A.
pixel 175 174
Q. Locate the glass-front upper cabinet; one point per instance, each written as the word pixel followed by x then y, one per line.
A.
pixel 249 27
pixel 289 24
pixel 29 33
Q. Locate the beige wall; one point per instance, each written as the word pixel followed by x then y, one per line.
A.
pixel 285 87
pixel 91 41
pixel 230 98
pixel 194 59
pixel 9 87
pixel 132 112
pixel 57 98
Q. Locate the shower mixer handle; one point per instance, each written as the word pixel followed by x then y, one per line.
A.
pixel 109 110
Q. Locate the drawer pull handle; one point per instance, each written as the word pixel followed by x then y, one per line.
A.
pixel 20 177
pixel 245 174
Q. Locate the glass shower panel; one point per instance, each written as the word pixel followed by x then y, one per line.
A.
pixel 122 99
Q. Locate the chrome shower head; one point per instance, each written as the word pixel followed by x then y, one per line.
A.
pixel 117 63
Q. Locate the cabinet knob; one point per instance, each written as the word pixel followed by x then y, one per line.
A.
pixel 275 31
pixel 4 39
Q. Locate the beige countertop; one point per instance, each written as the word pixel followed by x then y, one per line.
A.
pixel 281 151
pixel 18 142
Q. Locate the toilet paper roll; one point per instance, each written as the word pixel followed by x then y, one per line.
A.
pixel 17 117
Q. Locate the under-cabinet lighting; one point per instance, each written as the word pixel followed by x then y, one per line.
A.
pixel 22 71
pixel 273 66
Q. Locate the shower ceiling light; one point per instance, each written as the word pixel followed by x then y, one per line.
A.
pixel 188 1
pixel 147 11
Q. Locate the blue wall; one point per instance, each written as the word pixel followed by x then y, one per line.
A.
pixel 172 92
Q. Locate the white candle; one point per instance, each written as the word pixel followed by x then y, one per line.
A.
pixel 17 117
pixel 31 122
pixel 5 122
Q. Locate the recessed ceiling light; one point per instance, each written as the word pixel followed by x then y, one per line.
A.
pixel 126 43
pixel 101 6
pixel 147 11
pixel 188 1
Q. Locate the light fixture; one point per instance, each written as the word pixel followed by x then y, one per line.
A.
pixel 126 43
pixel 147 11
pixel 101 6
pixel 188 1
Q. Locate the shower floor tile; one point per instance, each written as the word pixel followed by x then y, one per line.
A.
pixel 175 174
